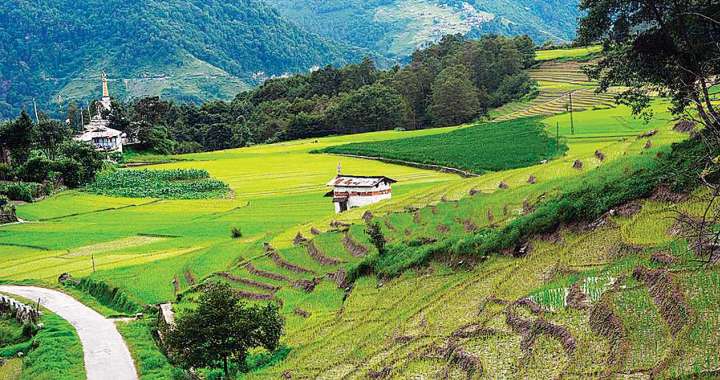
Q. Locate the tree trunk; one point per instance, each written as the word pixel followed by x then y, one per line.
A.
pixel 225 367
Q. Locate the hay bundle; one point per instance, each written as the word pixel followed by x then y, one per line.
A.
pixel 339 277
pixel 473 192
pixel 503 185
pixel 599 155
pixel 353 247
pixel 527 208
pixel 684 126
pixel 532 180
pixel 469 226
pixel 299 239
pixel 663 258
pixel 306 285
pixel 628 209
pixel 253 296
pixel 301 313
pixel 490 216
pixel 576 298
pixel 443 229
pixel 315 231
pixel 648 144
pixel 270 275
pixel 282 263
pixel 667 295
pixel 245 281
pixel 367 216
pixel 383 373
pixel 577 164
pixel 319 256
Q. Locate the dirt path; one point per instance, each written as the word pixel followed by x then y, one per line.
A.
pixel 106 355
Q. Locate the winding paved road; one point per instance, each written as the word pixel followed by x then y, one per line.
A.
pixel 106 355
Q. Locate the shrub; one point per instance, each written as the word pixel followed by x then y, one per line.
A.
pixel 36 169
pixel 166 184
pixel 21 191
pixel 5 172
pixel 107 295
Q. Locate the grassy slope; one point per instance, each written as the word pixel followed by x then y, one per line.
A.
pixel 582 52
pixel 188 236
pixel 381 324
pixel 151 364
pixel 55 352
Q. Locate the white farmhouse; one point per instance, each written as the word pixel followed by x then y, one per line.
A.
pixel 97 131
pixel 350 191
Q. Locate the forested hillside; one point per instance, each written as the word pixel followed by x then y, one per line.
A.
pixel 54 50
pixel 397 27
pixel 449 83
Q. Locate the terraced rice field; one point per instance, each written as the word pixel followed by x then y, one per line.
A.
pixel 143 245
pixel 475 321
pixel 576 306
pixel 558 82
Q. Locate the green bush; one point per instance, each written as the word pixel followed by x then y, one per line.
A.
pixel 109 296
pixel 22 191
pixel 36 169
pixel 166 184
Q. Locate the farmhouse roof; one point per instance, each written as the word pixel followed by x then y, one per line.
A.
pixel 359 181
pixel 98 131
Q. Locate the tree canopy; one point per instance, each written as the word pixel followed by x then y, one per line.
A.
pixel 222 329
pixel 665 46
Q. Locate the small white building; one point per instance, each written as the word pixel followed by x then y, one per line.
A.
pixel 97 131
pixel 350 191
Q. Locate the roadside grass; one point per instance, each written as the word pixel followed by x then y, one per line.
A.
pixel 58 355
pixel 151 364
pixel 11 369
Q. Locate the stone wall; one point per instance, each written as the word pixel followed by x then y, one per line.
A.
pixel 23 313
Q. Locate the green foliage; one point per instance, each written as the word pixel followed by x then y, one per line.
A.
pixel 57 353
pixel 107 295
pixel 229 40
pixel 672 55
pixel 21 191
pixel 455 79
pixel 370 108
pixel 11 331
pixel 236 233
pixel 480 148
pixel 166 184
pixel 374 231
pixel 581 200
pixel 17 137
pixel 149 360
pixel 455 100
pixel 223 328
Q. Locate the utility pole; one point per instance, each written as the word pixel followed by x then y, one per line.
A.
pixel 557 136
pixel 572 121
pixel 37 119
